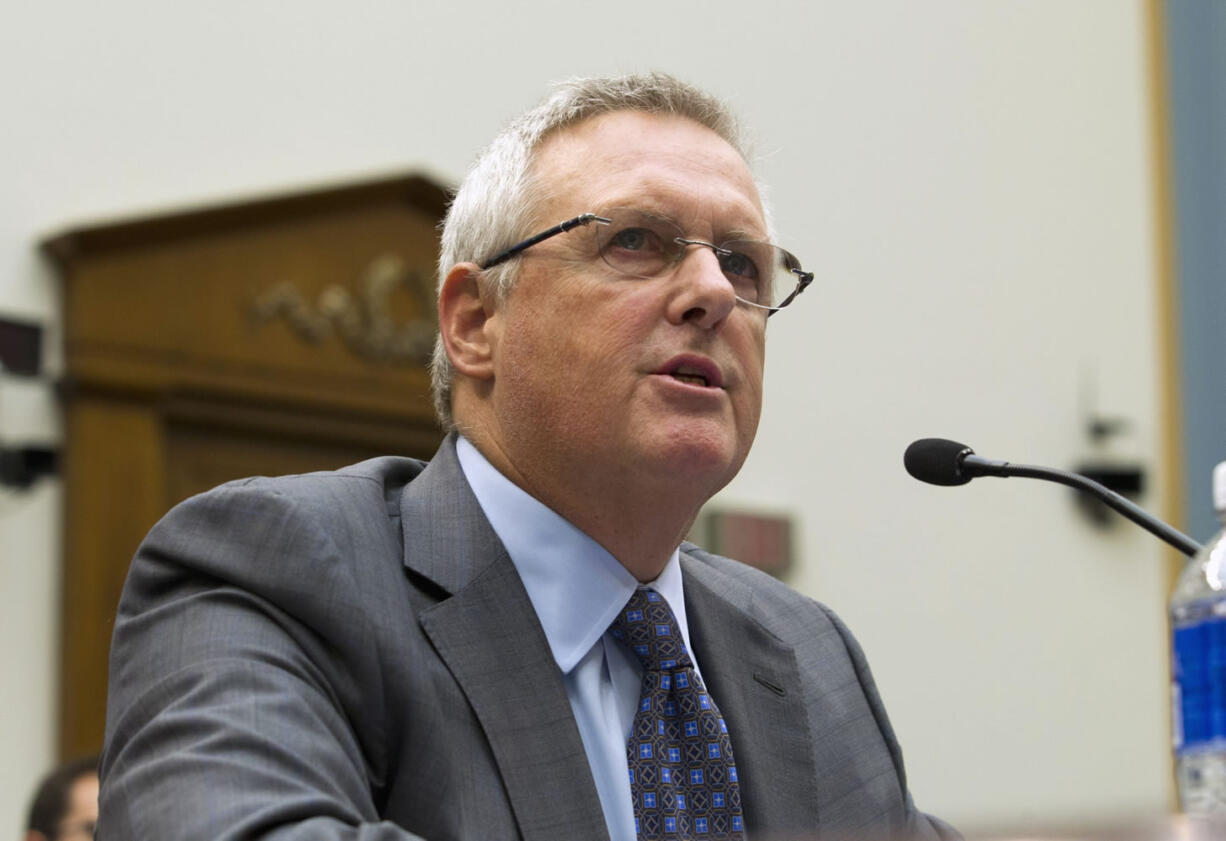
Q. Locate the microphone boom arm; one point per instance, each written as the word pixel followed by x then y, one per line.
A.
pixel 971 466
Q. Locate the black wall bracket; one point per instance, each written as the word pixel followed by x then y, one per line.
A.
pixel 21 467
pixel 21 345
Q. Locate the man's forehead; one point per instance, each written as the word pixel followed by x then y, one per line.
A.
pixel 664 163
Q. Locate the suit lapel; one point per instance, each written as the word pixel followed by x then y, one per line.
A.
pixel 488 635
pixel 754 680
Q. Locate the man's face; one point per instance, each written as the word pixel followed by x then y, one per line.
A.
pixel 593 369
pixel 81 812
pixel 82 809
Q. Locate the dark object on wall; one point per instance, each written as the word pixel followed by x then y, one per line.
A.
pixel 1125 479
pixel 21 467
pixel 21 346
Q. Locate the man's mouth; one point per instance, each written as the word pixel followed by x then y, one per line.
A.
pixel 691 377
pixel 694 370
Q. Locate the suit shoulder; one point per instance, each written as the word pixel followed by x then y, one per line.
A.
pixel 733 573
pixel 381 472
pixel 261 525
pixel 784 612
pixel 370 486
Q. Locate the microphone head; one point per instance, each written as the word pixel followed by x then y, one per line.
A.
pixel 937 461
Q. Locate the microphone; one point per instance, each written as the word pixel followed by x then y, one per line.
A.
pixel 939 461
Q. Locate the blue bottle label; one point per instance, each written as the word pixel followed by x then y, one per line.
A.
pixel 1199 665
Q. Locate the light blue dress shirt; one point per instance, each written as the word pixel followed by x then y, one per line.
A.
pixel 577 588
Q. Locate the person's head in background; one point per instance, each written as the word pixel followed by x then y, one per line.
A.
pixel 65 807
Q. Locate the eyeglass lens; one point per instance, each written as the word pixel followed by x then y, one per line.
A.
pixel 643 244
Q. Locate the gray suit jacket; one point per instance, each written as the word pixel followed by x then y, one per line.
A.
pixel 352 655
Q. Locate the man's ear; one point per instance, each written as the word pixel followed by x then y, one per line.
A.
pixel 465 313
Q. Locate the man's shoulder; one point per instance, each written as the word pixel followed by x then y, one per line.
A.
pixel 373 487
pixel 730 572
pixel 768 600
pixel 359 478
pixel 287 518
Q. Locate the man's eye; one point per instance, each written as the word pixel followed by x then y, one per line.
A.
pixel 634 239
pixel 739 265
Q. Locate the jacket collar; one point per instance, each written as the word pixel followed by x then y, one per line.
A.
pixel 485 630
pixel 755 680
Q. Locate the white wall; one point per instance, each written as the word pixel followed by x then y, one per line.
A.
pixel 971 182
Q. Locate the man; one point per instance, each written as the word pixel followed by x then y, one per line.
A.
pixel 65 807
pixel 465 649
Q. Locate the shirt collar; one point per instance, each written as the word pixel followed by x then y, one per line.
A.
pixel 574 584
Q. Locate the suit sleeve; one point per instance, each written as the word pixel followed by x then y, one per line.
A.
pixel 919 826
pixel 231 700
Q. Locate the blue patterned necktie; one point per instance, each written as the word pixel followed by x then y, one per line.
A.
pixel 682 775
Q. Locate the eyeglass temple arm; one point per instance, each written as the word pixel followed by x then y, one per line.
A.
pixel 805 279
pixel 560 228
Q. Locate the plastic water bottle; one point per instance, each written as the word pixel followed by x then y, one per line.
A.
pixel 1198 665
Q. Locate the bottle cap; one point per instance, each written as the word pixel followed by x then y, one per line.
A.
pixel 1219 488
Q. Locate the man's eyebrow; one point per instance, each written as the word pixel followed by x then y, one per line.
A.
pixel 741 233
pixel 647 208
pixel 640 206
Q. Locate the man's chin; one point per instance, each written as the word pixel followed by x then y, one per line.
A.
pixel 705 462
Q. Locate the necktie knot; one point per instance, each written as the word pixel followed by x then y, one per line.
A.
pixel 647 626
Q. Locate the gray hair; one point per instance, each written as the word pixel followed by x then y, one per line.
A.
pixel 495 204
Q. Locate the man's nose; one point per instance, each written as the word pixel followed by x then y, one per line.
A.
pixel 703 295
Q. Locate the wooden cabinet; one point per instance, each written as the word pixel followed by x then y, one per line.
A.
pixel 267 337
